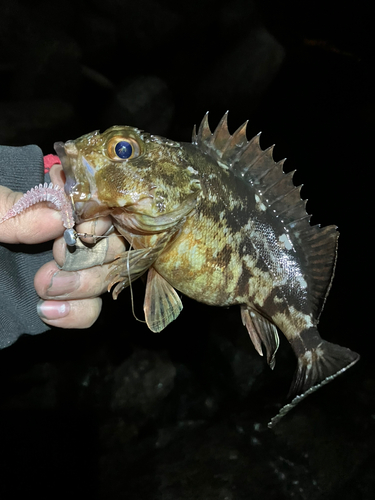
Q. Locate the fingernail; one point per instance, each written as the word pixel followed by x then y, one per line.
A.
pixel 50 309
pixel 63 283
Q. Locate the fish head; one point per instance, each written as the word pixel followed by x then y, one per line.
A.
pixel 126 169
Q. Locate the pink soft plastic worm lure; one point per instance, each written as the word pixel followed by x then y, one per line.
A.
pixel 53 194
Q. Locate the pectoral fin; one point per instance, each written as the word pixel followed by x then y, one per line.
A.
pixel 129 266
pixel 162 304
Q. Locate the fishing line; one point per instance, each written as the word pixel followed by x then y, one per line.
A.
pixel 95 237
pixel 130 282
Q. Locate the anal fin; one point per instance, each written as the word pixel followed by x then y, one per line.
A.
pixel 162 304
pixel 261 331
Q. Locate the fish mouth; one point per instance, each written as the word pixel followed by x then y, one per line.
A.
pixel 91 209
pixel 81 187
pixel 70 182
pixel 83 194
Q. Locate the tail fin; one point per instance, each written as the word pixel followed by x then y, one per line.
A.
pixel 316 367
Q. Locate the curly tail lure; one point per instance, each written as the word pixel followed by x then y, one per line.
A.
pixel 53 194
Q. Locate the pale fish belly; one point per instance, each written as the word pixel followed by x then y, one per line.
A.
pixel 202 263
pixel 252 266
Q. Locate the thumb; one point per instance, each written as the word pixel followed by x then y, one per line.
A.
pixel 36 224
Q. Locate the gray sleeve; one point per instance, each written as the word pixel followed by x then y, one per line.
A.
pixel 21 168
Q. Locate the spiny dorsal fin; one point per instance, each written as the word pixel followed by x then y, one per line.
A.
pixel 254 165
pixel 247 160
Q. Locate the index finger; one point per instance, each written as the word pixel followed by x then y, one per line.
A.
pixel 115 246
pixel 92 228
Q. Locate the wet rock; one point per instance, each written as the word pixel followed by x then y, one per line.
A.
pixel 144 102
pixel 48 68
pixel 141 383
pixel 244 71
pixel 33 121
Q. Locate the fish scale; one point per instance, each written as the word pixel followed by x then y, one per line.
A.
pixel 244 239
pixel 218 220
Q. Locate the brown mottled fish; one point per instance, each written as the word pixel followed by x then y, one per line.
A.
pixel 219 221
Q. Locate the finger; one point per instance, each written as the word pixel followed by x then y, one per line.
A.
pixel 52 283
pixel 96 227
pixel 36 224
pixel 116 245
pixel 71 313
pixel 57 175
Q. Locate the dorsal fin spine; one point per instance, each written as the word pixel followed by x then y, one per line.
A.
pixel 204 131
pixel 219 139
pixel 248 161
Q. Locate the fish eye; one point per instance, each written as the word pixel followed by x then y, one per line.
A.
pixel 122 148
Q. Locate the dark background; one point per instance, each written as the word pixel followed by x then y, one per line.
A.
pixel 116 411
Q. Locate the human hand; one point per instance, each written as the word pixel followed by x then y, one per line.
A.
pixel 36 224
pixel 70 299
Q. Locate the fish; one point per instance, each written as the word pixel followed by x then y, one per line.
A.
pixel 219 221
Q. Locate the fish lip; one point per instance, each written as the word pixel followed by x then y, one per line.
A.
pixel 68 154
pixel 60 148
pixel 86 205
pixel 90 209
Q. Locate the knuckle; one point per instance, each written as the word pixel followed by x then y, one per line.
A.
pixel 85 312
